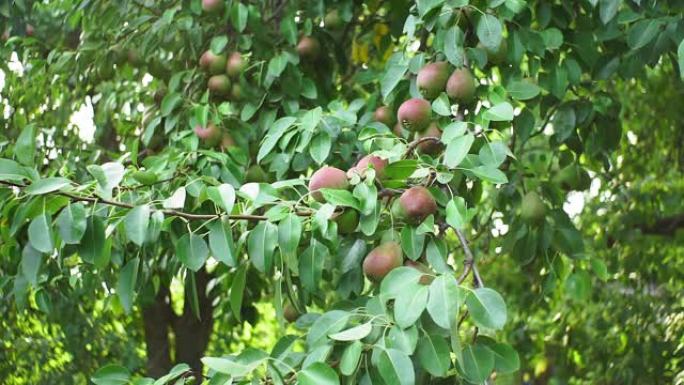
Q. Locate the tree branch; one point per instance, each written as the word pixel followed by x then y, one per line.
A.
pixel 663 226
pixel 469 261
pixel 413 145
pixel 167 212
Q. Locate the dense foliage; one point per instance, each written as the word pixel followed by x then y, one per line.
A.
pixel 326 192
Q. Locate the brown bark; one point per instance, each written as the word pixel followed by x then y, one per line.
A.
pixel 157 318
pixel 192 334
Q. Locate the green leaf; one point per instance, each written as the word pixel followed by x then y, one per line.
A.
pixel 93 241
pixel 47 185
pixel 490 174
pixel 218 43
pixel 453 130
pixel 261 244
pixel 453 46
pixel 433 355
pixel 608 9
pixel 397 279
pixel 356 333
pixel 642 32
pixel 499 113
pixel 111 375
pixel 25 146
pixel 221 242
pixel 311 265
pixel 339 197
pixel 192 251
pixel 478 363
pixel 125 286
pixel 680 59
pixel 170 102
pixel 523 89
pixel 108 176
pixel 401 169
pixel 136 222
pixel 320 147
pixel 310 119
pixel 489 31
pixel 11 171
pixel 289 234
pixel 396 69
pixel 409 305
pixel 412 243
pixel 350 358
pixel 457 213
pixel 30 264
pixel 442 105
pixel 223 196
pixel 506 359
pixel 237 290
pixel 402 339
pixel 396 367
pixel 276 131
pixel 72 223
pixel 457 150
pixel 329 323
pixel 487 308
pixel 239 15
pixel 230 366
pixel 494 153
pixel 578 286
pixel 445 299
pixel 40 234
pixel 318 373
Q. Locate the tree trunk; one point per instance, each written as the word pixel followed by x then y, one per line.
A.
pixel 157 318
pixel 192 334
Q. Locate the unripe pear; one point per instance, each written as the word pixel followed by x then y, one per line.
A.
pixel 347 221
pixel 209 135
pixel 573 177
pixel 415 114
pixel 133 57
pixel 384 115
pixel 256 174
pixel 461 85
pixel 332 20
pixel 430 147
pixel 327 177
pixel 212 63
pixel 236 92
pixel 532 208
pixel 308 48
pixel 432 79
pixel 145 177
pixel 417 203
pixel 212 6
pixel 235 64
pixel 381 260
pixel 376 162
pixel 219 84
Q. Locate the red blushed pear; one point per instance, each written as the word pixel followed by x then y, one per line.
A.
pixel 416 204
pixel 212 6
pixel 376 162
pixel 432 79
pixel 212 63
pixel 430 147
pixel 209 135
pixel 327 177
pixel 461 85
pixel 227 141
pixel 384 115
pixel 219 84
pixel 381 260
pixel 290 313
pixel 235 64
pixel 308 48
pixel 30 30
pixel 415 114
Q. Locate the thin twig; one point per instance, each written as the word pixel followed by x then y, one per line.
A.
pixel 413 145
pixel 469 261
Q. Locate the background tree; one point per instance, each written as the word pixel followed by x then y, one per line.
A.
pixel 389 177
